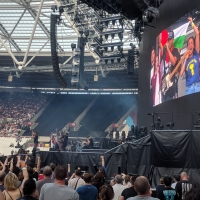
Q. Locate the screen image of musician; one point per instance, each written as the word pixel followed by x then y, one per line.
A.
pixel 174 60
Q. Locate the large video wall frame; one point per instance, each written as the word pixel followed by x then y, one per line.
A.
pixel 171 13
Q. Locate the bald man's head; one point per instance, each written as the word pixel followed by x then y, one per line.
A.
pixel 142 186
pixel 184 176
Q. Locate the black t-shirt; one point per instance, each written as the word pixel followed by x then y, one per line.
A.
pixel 168 69
pixel 183 187
pixel 36 139
pixel 167 193
pixel 129 192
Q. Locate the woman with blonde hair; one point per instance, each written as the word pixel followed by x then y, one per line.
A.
pixel 12 191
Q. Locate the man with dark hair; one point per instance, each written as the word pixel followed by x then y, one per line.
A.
pixel 118 187
pixel 183 186
pixel 87 191
pixel 129 192
pixel 177 178
pixel 168 193
pixel 58 189
pixel 47 172
pixel 142 188
pixel 76 181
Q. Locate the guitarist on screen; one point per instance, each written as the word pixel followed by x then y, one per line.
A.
pixel 170 56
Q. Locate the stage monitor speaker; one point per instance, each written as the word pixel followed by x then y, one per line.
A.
pixel 53 149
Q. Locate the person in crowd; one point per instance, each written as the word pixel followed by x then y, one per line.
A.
pixel 11 185
pixel 191 63
pixel 112 181
pixel 129 192
pixel 58 189
pixel 98 180
pixel 160 187
pixel 177 178
pixel 194 193
pixel 29 191
pixel 53 166
pixel 168 192
pixel 170 58
pixel 47 172
pixel 2 176
pixel 76 181
pixel 183 186
pixel 87 191
pixel 126 181
pixel 67 178
pixel 106 192
pixel 143 189
pixel 41 175
pixel 1 196
pixel 118 187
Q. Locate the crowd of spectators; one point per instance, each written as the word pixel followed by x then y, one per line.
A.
pixel 23 180
pixel 17 109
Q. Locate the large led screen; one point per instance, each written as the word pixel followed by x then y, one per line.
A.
pixel 175 60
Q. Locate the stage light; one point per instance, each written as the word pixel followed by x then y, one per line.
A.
pixel 112 48
pixel 106 23
pixel 106 62
pixel 113 36
pixel 112 61
pixel 86 33
pixel 120 35
pixel 106 37
pixel 73 46
pixel 113 22
pixel 132 45
pixel 118 60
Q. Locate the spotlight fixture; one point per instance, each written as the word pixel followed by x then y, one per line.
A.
pixel 73 46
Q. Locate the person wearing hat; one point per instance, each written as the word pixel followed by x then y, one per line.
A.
pixel 170 57
pixel 190 65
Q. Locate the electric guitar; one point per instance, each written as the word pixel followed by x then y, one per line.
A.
pixel 166 82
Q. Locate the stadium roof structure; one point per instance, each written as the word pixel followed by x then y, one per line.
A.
pixel 25 51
